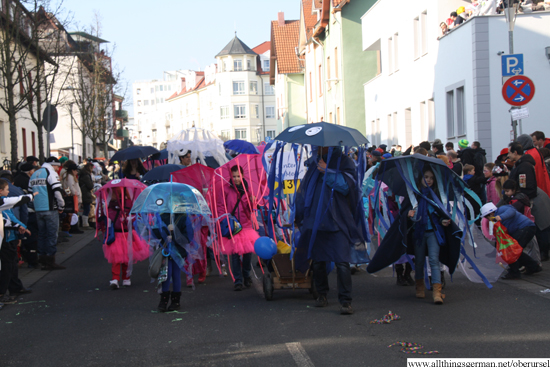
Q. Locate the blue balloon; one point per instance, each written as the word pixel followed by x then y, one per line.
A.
pixel 265 248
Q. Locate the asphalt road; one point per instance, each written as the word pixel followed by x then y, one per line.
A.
pixel 73 319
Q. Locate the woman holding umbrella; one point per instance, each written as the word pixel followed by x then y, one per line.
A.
pixel 133 169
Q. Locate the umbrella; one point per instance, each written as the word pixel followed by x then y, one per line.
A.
pixel 240 146
pixel 196 175
pixel 205 146
pixel 323 134
pixel 171 197
pixel 161 173
pixel 133 152
pixel 163 154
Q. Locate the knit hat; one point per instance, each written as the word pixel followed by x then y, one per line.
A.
pixel 387 155
pixel 71 167
pixel 26 167
pixel 463 143
pixel 32 158
pixel 379 150
pixel 63 159
pixel 383 146
pixel 437 142
pixel 504 151
pixel 376 153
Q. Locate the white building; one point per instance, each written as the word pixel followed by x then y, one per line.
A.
pixel 399 101
pixel 468 80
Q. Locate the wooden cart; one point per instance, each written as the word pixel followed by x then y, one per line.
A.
pixel 284 276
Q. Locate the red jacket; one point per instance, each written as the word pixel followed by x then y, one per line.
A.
pixel 543 180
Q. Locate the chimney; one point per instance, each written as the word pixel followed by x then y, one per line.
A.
pixel 281 18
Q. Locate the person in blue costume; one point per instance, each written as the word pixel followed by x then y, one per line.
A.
pixel 330 229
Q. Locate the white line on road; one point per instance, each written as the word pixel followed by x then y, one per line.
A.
pixel 299 354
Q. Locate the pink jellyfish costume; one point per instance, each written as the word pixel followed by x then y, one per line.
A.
pixel 122 246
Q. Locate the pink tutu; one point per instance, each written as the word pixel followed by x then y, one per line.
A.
pixel 117 252
pixel 242 243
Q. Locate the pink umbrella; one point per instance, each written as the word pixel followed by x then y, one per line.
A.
pixel 197 175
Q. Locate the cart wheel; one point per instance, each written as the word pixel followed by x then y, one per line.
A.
pixel 313 290
pixel 268 286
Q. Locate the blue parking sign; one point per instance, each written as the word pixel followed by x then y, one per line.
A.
pixel 512 65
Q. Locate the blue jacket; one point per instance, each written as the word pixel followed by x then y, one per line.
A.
pixel 45 181
pixel 21 212
pixel 512 219
pixel 11 224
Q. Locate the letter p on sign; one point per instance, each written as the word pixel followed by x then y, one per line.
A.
pixel 512 65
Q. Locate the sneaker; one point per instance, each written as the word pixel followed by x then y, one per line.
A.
pixel 538 269
pixel 346 309
pixel 126 282
pixel 248 282
pixel 190 283
pixel 238 287
pixel 511 276
pixel 8 300
pixel 224 271
pixel 321 301
pixel 113 284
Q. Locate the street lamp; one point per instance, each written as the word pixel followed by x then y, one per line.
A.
pixel 510 11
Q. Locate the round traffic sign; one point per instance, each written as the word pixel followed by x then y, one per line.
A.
pixel 518 90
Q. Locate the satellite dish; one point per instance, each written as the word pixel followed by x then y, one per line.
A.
pixel 52 112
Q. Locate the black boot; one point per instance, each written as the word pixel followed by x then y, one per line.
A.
pixel 175 301
pixel 74 230
pixel 56 266
pixel 399 273
pixel 408 279
pixel 163 304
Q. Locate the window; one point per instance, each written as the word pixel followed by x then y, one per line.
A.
pixel 450 114
pixel 336 62
pixel 328 72
pixel 265 65
pixel 224 112
pixel 146 102
pixel 238 87
pixel 33 142
pixel 248 65
pixel 270 134
pixel 24 132
pixel 456 124
pixel 396 51
pixel 240 133
pixel 154 132
pixel 161 88
pixel 330 117
pixel 269 90
pixel 239 111
pixel 416 35
pixel 226 134
pixel 270 112
pixel 237 65
pixel 156 88
pixel 220 89
pixel 152 90
pixel 408 127
pixel 424 41
pixel 169 87
pixel 157 100
pixel 139 103
pixel 338 116
pixel 253 87
pixel 152 102
pixel 257 111
pixel 138 91
pixel 460 124
pixel 320 80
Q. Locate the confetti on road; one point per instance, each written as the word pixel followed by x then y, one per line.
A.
pixel 412 348
pixel 25 303
pixel 177 320
pixel 545 291
pixel 387 318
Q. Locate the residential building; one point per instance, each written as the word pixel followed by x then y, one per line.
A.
pixel 468 84
pixel 335 66
pixel 286 73
pixel 399 97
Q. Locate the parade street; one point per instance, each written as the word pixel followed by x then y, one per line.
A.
pixel 72 318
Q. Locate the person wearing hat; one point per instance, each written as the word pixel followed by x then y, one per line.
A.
pixel 437 147
pixel 63 159
pixel 461 16
pixel 33 160
pixel 185 157
pixel 47 206
pixel 69 181
pixel 520 228
pixel 383 147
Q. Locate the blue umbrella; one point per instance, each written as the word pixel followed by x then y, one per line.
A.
pixel 171 197
pixel 133 152
pixel 163 154
pixel 323 134
pixel 161 173
pixel 240 146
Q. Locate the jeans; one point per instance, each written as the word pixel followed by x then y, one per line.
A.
pixel 86 209
pixel 9 274
pixel 241 272
pixel 174 277
pixel 48 226
pixel 524 236
pixel 343 276
pixel 429 241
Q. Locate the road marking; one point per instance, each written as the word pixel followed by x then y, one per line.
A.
pixel 299 354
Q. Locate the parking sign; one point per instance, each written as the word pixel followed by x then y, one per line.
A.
pixel 512 65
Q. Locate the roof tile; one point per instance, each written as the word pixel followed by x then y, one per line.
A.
pixel 285 40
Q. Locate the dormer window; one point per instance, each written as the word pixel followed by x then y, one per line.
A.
pixel 237 65
pixel 265 65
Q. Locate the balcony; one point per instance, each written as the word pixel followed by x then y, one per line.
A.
pixel 122 134
pixel 122 114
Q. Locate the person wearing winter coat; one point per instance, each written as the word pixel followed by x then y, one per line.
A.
pixel 540 140
pixel 543 181
pixel 521 229
pixel 524 170
pixel 69 181
pixel 86 186
pixel 492 194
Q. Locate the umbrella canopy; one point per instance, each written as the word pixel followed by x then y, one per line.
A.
pixel 163 154
pixel 124 182
pixel 171 197
pixel 133 152
pixel 161 173
pixel 197 175
pixel 323 134
pixel 241 146
pixel 202 143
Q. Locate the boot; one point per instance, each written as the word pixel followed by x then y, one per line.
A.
pixel 175 302
pixel 85 224
pixel 399 273
pixel 408 279
pixel 438 297
pixel 420 288
pixel 74 230
pixel 163 304
pixel 55 266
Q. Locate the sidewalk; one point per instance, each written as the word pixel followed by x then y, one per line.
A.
pixel 65 250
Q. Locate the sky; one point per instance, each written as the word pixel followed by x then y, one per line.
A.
pixel 153 36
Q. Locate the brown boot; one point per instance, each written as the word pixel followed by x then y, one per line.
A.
pixel 420 288
pixel 438 297
pixel 54 265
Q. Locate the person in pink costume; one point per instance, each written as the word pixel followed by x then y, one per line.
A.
pixel 116 253
pixel 492 194
pixel 237 199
